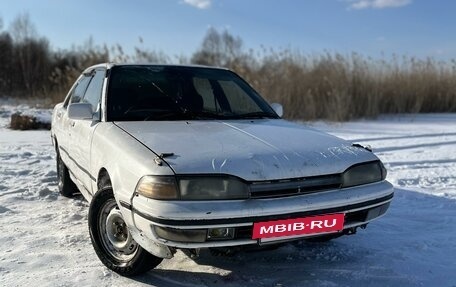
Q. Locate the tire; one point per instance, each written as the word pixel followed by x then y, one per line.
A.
pixel 111 239
pixel 65 185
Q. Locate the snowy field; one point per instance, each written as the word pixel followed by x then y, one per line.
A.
pixel 45 242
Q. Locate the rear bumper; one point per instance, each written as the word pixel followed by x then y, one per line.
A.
pixel 360 205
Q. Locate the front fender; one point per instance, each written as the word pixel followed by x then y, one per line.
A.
pixel 126 160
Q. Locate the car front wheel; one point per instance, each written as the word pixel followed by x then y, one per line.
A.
pixel 111 239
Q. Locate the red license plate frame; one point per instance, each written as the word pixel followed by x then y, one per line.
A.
pixel 299 226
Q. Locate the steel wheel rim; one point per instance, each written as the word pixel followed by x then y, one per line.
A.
pixel 115 237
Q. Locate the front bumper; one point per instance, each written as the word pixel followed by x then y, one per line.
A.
pixel 359 204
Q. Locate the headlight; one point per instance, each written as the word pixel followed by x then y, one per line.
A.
pixel 363 174
pixel 192 188
pixel 158 187
pixel 207 188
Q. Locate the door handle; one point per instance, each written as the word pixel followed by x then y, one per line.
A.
pixel 73 123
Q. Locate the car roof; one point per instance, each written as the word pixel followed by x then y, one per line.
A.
pixel 110 65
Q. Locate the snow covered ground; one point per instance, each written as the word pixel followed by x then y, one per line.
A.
pixel 45 242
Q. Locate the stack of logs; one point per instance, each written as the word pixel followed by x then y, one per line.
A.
pixel 27 122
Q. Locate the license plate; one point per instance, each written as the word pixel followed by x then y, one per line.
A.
pixel 298 226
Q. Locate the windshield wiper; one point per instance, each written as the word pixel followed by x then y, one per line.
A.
pixel 206 115
pixel 169 116
pixel 257 115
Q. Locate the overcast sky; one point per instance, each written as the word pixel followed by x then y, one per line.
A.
pixel 371 27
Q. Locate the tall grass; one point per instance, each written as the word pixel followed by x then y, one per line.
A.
pixel 343 87
pixel 336 86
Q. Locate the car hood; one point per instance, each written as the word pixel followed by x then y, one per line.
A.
pixel 254 150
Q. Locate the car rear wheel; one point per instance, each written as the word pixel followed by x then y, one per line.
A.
pixel 112 241
pixel 65 185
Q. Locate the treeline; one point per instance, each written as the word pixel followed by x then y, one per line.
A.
pixel 325 86
pixel 30 69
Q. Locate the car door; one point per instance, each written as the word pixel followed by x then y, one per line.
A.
pixel 63 128
pixel 82 130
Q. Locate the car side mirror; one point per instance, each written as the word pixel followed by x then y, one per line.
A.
pixel 278 109
pixel 80 111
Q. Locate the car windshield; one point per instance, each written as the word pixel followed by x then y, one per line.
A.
pixel 151 93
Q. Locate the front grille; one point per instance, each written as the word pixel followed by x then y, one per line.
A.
pixel 291 187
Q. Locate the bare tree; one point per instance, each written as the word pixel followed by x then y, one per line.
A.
pixel 6 64
pixel 22 31
pixel 22 28
pixel 218 49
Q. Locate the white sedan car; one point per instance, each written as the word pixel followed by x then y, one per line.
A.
pixel 192 157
